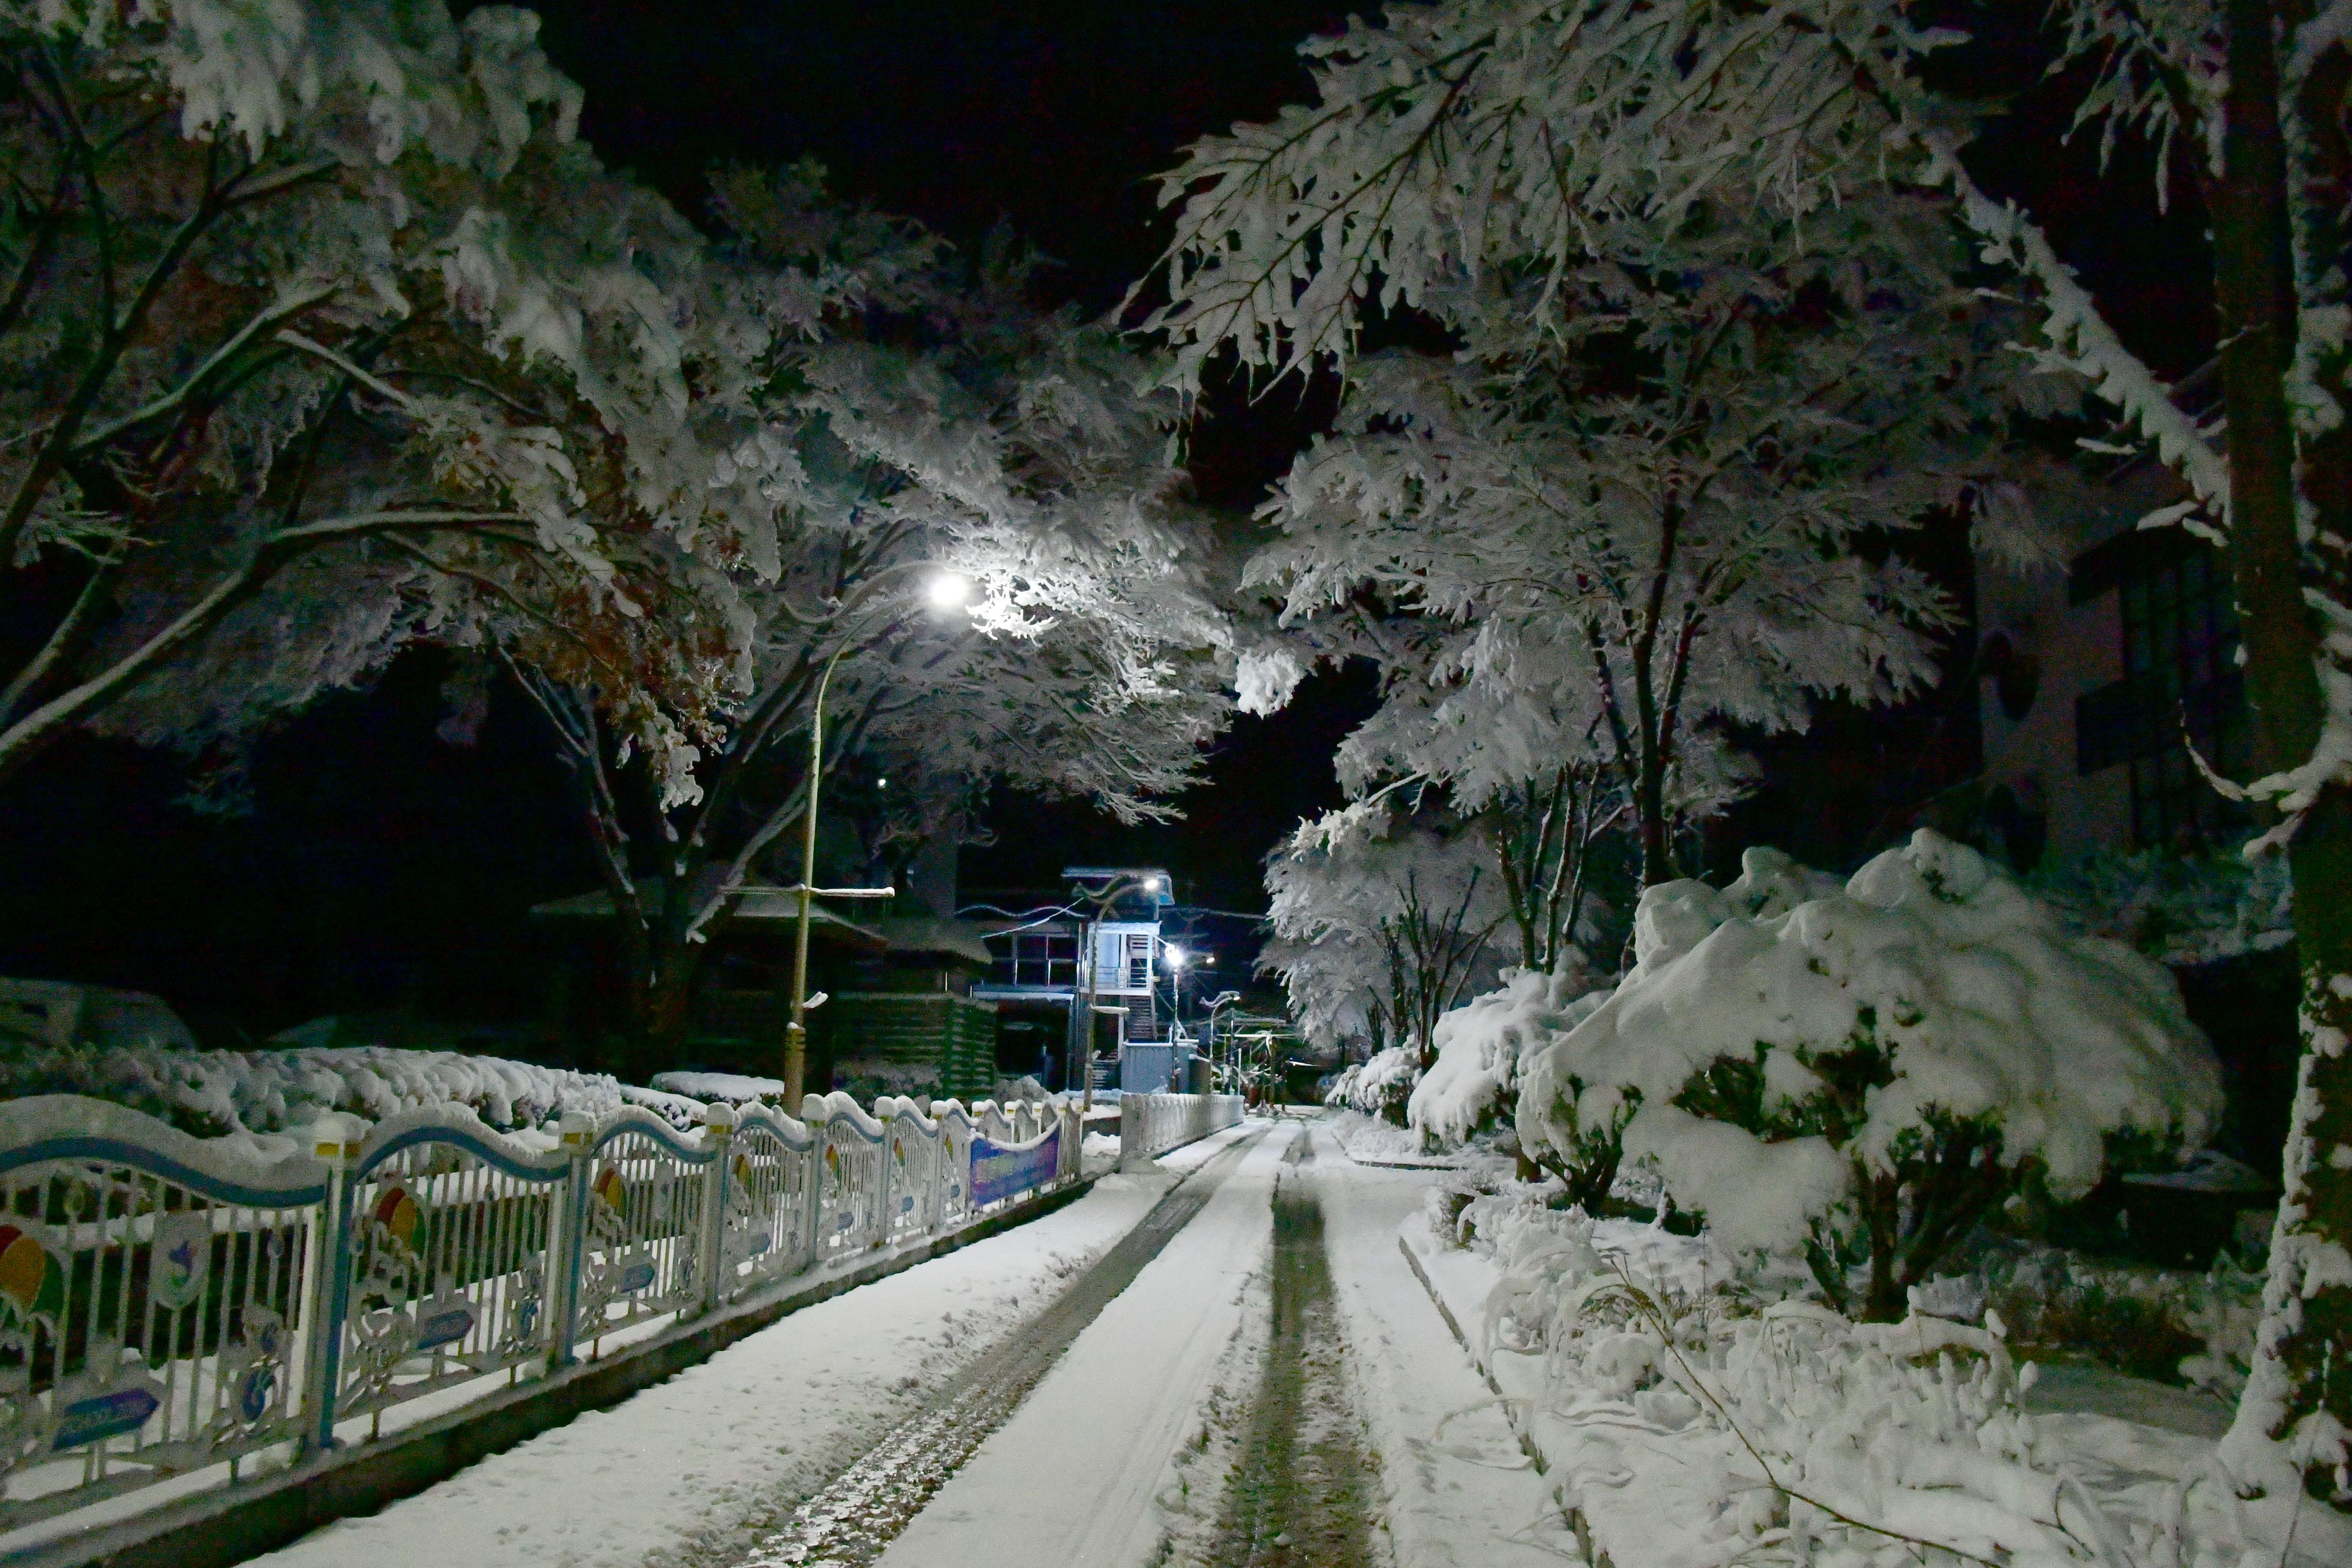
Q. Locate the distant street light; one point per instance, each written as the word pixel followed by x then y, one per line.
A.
pixel 1222 1000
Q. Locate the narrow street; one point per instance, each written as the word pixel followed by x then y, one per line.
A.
pixel 1302 1488
pixel 1220 1410
pixel 853 1518
pixel 1225 1363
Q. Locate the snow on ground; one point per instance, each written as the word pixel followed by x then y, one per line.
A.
pixel 1138 1423
pixel 1374 1141
pixel 1460 1491
pixel 724 1449
pixel 1072 1477
pixel 1954 1448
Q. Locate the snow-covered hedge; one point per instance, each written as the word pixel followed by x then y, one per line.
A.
pixel 1480 1047
pixel 213 1092
pixel 1380 1086
pixel 729 1087
pixel 1860 1073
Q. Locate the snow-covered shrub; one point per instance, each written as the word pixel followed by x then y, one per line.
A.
pixel 1380 1086
pixel 2167 1324
pixel 2178 908
pixel 730 1088
pixel 1862 1074
pixel 211 1093
pixel 1476 1079
pixel 1715 1428
pixel 864 1078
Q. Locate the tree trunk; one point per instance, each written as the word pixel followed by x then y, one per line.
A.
pixel 2305 1341
pixel 669 1009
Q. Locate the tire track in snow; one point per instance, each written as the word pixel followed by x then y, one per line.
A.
pixel 1305 1489
pixel 849 1522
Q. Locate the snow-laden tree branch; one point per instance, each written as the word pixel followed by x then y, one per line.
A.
pixel 329 263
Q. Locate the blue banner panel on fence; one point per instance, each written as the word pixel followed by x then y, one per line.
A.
pixel 998 1172
pixel 103 1415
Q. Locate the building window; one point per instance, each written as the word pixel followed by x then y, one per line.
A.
pixel 1040 957
pixel 1139 963
pixel 2180 673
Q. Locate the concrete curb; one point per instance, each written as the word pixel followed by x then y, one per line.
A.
pixel 230 1524
pixel 1527 1444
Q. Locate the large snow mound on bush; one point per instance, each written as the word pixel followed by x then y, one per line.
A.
pixel 1481 1047
pixel 1384 1079
pixel 1986 1002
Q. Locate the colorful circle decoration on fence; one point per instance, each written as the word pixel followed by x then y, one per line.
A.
pixel 29 1274
pixel 399 1215
pixel 742 1172
pixel 611 1189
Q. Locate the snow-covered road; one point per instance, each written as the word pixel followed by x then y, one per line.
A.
pixel 1246 1373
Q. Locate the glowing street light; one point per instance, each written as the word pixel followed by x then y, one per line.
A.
pixel 1175 956
pixel 950 591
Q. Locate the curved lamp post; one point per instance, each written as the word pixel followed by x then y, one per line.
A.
pixel 948 590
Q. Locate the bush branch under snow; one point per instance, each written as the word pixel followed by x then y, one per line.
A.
pixel 1475 1081
pixel 1862 1072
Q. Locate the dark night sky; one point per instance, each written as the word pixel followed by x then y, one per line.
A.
pixel 380 867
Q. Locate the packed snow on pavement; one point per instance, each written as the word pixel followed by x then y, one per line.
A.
pixel 695 1467
pixel 1504 1382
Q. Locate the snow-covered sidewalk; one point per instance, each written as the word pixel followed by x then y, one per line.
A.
pixel 1459 1490
pixel 697 1467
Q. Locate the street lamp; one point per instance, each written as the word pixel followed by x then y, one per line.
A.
pixel 1223 999
pixel 948 590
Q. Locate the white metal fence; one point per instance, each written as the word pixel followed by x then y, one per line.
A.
pixel 1151 1124
pixel 169 1303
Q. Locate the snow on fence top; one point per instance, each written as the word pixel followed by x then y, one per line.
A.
pixel 1945 993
